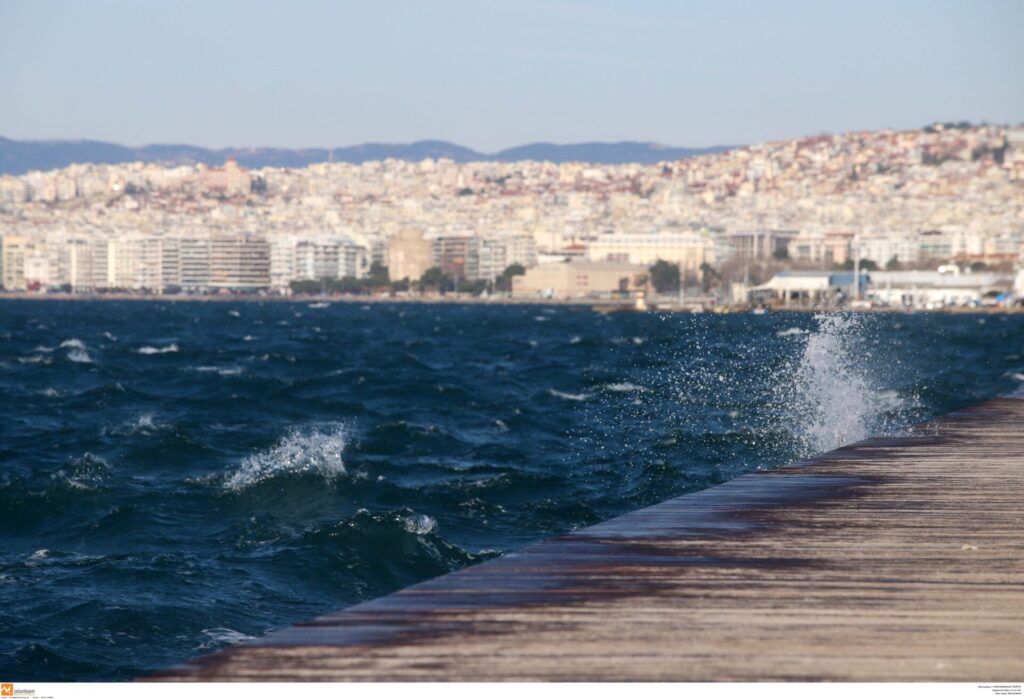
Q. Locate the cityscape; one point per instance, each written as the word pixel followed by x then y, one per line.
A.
pixel 932 217
pixel 470 343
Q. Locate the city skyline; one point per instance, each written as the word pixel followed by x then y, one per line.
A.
pixel 495 75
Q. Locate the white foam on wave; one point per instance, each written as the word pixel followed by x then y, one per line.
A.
pixel 79 356
pixel 222 635
pixel 316 450
pixel 568 396
pixel 790 332
pixel 1019 377
pixel 143 424
pixel 419 524
pixel 222 370
pixel 624 387
pixel 77 351
pixel 173 347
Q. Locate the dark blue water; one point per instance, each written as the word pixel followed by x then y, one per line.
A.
pixel 176 477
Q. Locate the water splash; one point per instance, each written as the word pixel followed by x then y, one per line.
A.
pixel 316 450
pixel 834 399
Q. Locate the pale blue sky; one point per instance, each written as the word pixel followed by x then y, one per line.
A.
pixel 496 73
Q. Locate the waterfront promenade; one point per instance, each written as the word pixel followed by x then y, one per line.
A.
pixel 896 559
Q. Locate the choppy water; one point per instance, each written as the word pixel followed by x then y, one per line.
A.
pixel 178 477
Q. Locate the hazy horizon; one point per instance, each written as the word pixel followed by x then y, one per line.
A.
pixel 494 75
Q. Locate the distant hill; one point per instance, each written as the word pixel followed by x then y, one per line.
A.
pixel 19 157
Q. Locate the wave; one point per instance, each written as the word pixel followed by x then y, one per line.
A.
pixel 789 332
pixel 569 396
pixel 80 356
pixel 222 636
pixel 223 371
pixel 419 524
pixel 77 351
pixel 158 350
pixel 624 387
pixel 144 424
pixel 316 450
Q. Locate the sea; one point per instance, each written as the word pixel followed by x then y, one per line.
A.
pixel 176 477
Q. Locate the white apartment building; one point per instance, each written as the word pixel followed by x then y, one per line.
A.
pixel 881 249
pixel 487 258
pixel 687 249
pixel 295 258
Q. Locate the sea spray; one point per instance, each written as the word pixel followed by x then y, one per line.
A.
pixel 835 393
pixel 316 450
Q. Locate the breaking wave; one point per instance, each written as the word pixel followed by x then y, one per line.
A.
pixel 316 450
pixel 77 351
pixel 158 350
pixel 568 396
pixel 79 356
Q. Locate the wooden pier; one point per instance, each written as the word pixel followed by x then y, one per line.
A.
pixel 888 560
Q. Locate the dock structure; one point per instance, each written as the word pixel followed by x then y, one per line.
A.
pixel 896 559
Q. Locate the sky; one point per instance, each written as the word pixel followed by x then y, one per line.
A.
pixel 491 74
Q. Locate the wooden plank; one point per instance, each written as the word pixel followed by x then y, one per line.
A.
pixel 888 560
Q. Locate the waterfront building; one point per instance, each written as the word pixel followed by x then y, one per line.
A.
pixel 14 251
pixel 581 279
pixel 936 289
pixel 450 253
pixel 812 288
pixel 892 248
pixel 409 255
pixel 761 244
pixel 239 262
pixel 488 258
pixel 685 248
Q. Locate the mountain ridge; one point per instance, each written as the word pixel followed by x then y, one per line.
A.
pixel 20 157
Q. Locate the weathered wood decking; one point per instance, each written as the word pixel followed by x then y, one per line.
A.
pixel 888 560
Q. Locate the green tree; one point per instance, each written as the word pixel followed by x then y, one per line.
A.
pixel 306 286
pixel 504 280
pixel 378 275
pixel 866 265
pixel 893 263
pixel 665 276
pixel 475 287
pixel 434 279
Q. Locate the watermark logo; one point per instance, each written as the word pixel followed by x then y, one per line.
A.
pixel 7 689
